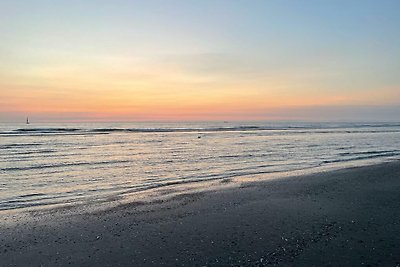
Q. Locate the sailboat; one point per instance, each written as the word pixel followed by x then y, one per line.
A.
pixel 27 120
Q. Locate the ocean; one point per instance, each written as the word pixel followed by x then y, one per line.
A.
pixel 55 163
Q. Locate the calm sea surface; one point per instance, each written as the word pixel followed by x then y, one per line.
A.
pixel 44 164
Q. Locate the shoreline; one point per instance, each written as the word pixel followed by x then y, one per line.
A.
pixel 343 217
pixel 165 191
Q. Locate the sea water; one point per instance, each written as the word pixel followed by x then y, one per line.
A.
pixel 48 164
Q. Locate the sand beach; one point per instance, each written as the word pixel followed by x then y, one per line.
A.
pixel 348 217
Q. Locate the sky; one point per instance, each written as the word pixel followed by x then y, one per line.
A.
pixel 73 60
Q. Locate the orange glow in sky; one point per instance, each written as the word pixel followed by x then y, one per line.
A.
pixel 173 62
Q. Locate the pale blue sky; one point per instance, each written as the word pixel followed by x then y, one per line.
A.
pixel 324 48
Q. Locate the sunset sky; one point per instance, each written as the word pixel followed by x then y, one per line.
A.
pixel 77 60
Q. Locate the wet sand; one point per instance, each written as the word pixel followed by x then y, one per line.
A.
pixel 349 217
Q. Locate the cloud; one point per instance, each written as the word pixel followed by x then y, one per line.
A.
pixel 218 65
pixel 336 113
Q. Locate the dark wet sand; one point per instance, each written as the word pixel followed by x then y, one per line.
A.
pixel 349 217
